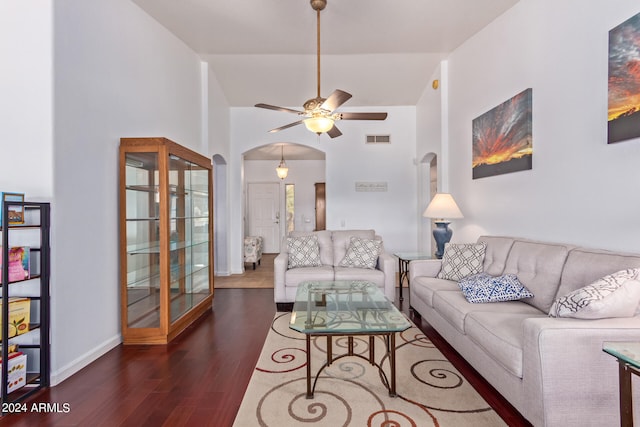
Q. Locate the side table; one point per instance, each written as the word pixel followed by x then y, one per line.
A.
pixel 404 258
pixel 628 355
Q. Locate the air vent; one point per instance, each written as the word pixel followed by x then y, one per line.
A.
pixel 378 139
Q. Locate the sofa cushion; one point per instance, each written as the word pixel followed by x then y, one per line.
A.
pixel 353 273
pixel 538 266
pixel 461 260
pixel 295 276
pixel 303 251
pixel 495 256
pixel 362 253
pixel 341 240
pixel 425 287
pixel 324 242
pixel 483 288
pixel 584 266
pixel 614 295
pixel 500 335
pixel 453 306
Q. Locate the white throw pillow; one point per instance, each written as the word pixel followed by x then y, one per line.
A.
pixel 614 295
pixel 462 260
pixel 362 253
pixel 303 251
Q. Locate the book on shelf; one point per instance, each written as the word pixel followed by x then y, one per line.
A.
pixel 16 212
pixel 19 263
pixel 17 369
pixel 19 316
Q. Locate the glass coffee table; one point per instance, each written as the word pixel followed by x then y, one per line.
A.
pixel 628 355
pixel 347 308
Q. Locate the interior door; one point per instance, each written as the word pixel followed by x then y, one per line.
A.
pixel 264 214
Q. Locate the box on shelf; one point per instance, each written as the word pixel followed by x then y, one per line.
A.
pixel 17 368
pixel 16 213
pixel 19 316
pixel 19 263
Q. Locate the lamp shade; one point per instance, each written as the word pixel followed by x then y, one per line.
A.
pixel 442 206
pixel 319 124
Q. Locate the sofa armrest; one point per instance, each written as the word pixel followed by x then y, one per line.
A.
pixel 387 264
pixel 280 264
pixel 563 362
pixel 424 267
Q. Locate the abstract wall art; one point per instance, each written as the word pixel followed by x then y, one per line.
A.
pixel 624 81
pixel 502 137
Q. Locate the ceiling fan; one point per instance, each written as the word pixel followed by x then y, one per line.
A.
pixel 320 113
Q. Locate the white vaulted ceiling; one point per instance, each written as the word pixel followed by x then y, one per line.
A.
pixel 383 52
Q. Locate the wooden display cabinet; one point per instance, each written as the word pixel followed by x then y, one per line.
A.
pixel 166 239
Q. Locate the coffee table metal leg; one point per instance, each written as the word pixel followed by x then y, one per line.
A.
pixel 626 405
pixel 392 363
pixel 309 392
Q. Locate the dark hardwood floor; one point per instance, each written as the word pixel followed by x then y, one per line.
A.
pixel 197 380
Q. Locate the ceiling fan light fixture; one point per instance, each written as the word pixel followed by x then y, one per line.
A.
pixel 319 124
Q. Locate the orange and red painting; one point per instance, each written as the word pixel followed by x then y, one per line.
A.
pixel 624 81
pixel 502 137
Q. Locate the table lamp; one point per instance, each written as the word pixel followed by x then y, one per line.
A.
pixel 442 207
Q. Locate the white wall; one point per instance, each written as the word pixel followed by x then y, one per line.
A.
pixel 429 141
pixel 217 131
pixel 26 85
pixel 348 160
pixel 303 173
pixel 580 189
pixel 117 73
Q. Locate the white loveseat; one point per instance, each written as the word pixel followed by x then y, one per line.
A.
pixel 553 370
pixel 333 246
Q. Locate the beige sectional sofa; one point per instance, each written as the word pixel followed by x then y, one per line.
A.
pixel 553 370
pixel 333 246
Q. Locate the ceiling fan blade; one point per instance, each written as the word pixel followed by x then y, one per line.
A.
pixel 363 116
pixel 285 126
pixel 273 107
pixel 334 132
pixel 336 99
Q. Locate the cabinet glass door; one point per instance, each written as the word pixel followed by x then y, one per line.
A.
pixel 188 235
pixel 143 240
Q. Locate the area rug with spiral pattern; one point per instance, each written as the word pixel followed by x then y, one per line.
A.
pixel 351 391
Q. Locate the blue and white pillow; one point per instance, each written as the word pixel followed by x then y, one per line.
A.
pixel 484 287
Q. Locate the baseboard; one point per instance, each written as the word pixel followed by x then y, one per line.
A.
pixel 76 365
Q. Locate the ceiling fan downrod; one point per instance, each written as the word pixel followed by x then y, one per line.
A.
pixel 318 5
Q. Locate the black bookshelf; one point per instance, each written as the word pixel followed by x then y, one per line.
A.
pixel 36 222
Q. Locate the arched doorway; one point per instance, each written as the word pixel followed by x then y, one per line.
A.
pixel 306 167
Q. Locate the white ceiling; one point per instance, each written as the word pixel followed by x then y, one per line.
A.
pixel 383 52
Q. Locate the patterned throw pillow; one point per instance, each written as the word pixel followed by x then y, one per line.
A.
pixel 462 260
pixel 614 295
pixel 486 288
pixel 362 253
pixel 303 251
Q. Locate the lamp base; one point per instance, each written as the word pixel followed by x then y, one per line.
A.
pixel 442 234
